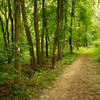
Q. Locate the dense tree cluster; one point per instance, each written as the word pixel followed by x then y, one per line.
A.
pixel 33 30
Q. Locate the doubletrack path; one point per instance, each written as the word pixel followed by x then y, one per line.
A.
pixel 62 86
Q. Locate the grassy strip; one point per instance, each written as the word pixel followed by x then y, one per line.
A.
pixel 93 84
pixel 94 52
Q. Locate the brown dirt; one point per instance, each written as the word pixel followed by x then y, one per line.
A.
pixel 75 83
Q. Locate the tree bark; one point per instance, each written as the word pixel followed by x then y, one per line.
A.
pixel 9 57
pixel 43 30
pixel 60 14
pixel 46 46
pixel 37 33
pixel 59 42
pixel 12 25
pixel 56 34
pixel 71 25
pixel 17 40
pixel 11 18
pixel 65 26
pixel 29 38
pixel 4 35
pixel 47 37
pixel 5 32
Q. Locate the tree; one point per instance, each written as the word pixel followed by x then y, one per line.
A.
pixel 59 9
pixel 43 30
pixel 29 38
pixel 65 26
pixel 37 33
pixel 12 29
pixel 71 25
pixel 60 14
pixel 17 40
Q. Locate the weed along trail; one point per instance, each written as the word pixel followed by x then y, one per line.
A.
pixel 61 89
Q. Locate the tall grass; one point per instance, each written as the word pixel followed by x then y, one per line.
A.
pixel 96 50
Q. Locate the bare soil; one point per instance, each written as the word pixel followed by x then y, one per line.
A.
pixel 78 82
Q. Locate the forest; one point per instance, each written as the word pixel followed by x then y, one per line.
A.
pixel 42 39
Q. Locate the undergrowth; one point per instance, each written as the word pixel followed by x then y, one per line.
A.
pixel 33 81
pixel 94 53
pixel 44 78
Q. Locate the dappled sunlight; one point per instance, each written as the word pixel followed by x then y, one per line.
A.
pixel 47 42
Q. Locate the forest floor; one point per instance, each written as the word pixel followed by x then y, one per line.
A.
pixel 79 81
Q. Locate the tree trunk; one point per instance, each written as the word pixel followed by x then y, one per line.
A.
pixel 6 44
pixel 9 57
pixel 59 42
pixel 47 37
pixel 71 25
pixel 37 33
pixel 4 35
pixel 17 40
pixel 65 26
pixel 12 29
pixel 7 37
pixel 70 38
pixel 46 46
pixel 43 30
pixel 56 34
pixel 78 40
pixel 60 13
pixel 11 18
pixel 46 30
pixel 29 38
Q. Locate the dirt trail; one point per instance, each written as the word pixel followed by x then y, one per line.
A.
pixel 62 86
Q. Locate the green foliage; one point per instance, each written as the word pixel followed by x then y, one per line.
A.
pixel 94 50
pixel 84 27
pixel 44 78
pixel 28 72
pixel 97 51
pixel 18 92
pixel 7 74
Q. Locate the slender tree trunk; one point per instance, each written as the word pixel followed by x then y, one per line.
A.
pixel 17 39
pixel 46 46
pixel 46 35
pixel 65 26
pixel 60 8
pixel 70 39
pixel 12 29
pixel 9 58
pixel 4 35
pixel 71 25
pixel 78 40
pixel 11 18
pixel 56 35
pixel 7 37
pixel 43 30
pixel 37 33
pixel 29 38
pixel 85 41
pixel 6 40
pixel 59 42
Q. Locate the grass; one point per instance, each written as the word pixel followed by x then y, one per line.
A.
pixel 44 78
pixel 94 52
pixel 39 80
